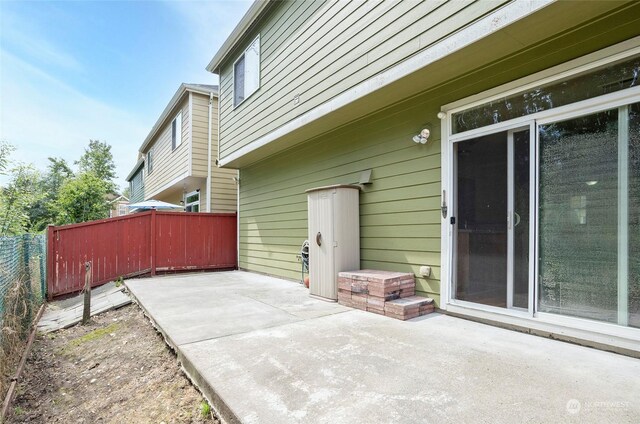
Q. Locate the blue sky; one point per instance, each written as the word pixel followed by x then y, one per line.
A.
pixel 71 71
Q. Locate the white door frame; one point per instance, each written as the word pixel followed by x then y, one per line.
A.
pixel 546 320
pixel 605 333
pixel 510 127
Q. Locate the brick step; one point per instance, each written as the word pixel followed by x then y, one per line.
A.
pixel 383 292
pixel 409 307
pixel 381 284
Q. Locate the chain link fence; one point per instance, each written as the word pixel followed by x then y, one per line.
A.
pixel 23 262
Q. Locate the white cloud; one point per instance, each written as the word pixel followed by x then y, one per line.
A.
pixel 43 113
pixel 24 37
pixel 208 24
pixel 44 117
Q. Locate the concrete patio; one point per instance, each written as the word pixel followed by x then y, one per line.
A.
pixel 263 351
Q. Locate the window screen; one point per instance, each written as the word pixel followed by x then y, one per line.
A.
pixel 176 131
pixel 246 73
pixel 238 81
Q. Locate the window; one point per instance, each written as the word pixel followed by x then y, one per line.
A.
pixel 176 131
pixel 246 73
pixel 149 163
pixel 122 210
pixel 192 201
pixel 607 79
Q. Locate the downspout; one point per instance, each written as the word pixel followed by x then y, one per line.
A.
pixel 209 156
pixel 236 179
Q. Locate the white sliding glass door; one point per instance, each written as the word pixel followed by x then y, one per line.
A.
pixel 492 222
pixel 543 184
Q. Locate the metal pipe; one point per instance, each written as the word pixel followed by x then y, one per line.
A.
pixel 208 208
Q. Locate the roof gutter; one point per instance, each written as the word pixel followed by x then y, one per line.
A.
pixel 247 20
pixel 135 169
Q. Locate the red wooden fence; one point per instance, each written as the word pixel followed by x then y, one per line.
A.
pixel 142 243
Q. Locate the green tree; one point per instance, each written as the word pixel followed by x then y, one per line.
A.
pixel 17 198
pixel 127 192
pixel 43 212
pixel 82 198
pixel 97 159
pixel 5 152
pixel 58 172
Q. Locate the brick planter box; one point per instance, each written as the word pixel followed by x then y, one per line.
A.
pixel 382 292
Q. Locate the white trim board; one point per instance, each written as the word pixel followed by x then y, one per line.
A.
pixel 474 32
pixel 563 330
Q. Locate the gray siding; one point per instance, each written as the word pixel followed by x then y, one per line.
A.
pixel 136 186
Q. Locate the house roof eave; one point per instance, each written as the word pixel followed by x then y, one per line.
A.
pixel 249 18
pixel 135 169
pixel 182 90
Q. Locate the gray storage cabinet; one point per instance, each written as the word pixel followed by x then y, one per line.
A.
pixel 334 237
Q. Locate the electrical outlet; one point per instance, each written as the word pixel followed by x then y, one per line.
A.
pixel 425 271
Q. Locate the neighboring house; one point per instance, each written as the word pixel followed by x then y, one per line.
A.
pixel 136 181
pixel 178 161
pixel 119 207
pixel 524 201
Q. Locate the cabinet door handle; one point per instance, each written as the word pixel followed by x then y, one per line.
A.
pixel 319 239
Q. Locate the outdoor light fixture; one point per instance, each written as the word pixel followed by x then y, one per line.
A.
pixel 442 115
pixel 422 137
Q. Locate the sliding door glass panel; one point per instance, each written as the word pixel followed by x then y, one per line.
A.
pixel 578 217
pixel 521 219
pixel 481 243
pixel 634 215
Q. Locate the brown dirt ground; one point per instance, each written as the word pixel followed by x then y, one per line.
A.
pixel 117 369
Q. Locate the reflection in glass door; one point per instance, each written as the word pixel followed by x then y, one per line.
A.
pixel 589 220
pixel 492 228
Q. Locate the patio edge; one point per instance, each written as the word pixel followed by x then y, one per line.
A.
pixel 224 412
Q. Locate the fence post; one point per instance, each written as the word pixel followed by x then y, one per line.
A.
pixel 42 263
pixel 86 311
pixel 153 242
pixel 51 259
pixel 26 274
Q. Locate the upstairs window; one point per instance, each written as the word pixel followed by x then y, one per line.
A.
pixel 176 131
pixel 192 201
pixel 246 73
pixel 149 162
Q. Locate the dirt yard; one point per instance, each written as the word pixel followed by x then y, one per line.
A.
pixel 115 370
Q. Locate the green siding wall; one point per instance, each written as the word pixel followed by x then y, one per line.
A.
pixel 320 49
pixel 399 211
